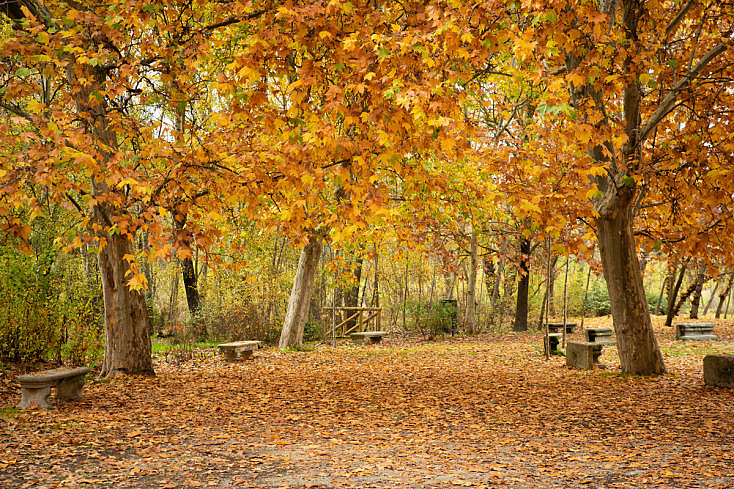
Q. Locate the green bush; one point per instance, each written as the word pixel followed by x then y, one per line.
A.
pixel 41 318
pixel 597 303
pixel 431 319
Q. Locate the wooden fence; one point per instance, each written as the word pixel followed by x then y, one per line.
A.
pixel 360 318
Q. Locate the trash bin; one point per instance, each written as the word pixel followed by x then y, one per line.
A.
pixel 450 315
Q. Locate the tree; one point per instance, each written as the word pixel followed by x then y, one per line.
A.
pixel 634 70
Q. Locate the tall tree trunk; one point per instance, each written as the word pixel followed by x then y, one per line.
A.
pixel 351 297
pixel 494 301
pixel 188 270
pixel 298 305
pixel 638 348
pixel 470 318
pixel 376 283
pixel 523 286
pixel 700 280
pixel 552 287
pixel 127 326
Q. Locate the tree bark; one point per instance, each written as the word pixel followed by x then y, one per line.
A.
pixel 300 300
pixel 523 286
pixel 127 326
pixel 638 348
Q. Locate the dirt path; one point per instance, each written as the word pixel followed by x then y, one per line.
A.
pixel 479 412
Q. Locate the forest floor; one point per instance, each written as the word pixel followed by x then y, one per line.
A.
pixel 484 411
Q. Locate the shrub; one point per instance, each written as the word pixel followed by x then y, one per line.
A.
pixel 597 303
pixel 431 319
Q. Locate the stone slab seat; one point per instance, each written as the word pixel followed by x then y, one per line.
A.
pixel 584 354
pixel 557 327
pixel 695 331
pixel 601 336
pixel 373 337
pixel 718 370
pixel 35 388
pixel 238 349
pixel 553 339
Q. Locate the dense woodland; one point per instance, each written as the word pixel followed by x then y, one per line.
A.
pixel 216 170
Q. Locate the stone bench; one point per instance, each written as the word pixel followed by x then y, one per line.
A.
pixel 364 337
pixel 584 354
pixel 238 349
pixel 602 336
pixel 558 327
pixel 35 388
pixel 553 339
pixel 718 370
pixel 695 331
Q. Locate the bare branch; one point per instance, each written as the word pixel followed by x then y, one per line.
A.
pixel 673 25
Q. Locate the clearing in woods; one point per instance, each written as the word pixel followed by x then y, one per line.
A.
pixel 484 411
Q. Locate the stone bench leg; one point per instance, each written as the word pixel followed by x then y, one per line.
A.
pixel 245 355
pixel 595 354
pixel 230 355
pixel 69 389
pixel 35 397
pixel 375 339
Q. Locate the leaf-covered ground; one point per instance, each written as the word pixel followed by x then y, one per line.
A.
pixel 485 411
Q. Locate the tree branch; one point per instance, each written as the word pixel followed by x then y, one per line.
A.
pixel 673 25
pixel 667 105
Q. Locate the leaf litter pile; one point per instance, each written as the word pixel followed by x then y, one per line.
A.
pixel 486 411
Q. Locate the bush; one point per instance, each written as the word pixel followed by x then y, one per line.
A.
pixel 238 323
pixel 431 319
pixel 597 303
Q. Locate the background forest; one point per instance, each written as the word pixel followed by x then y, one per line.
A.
pixel 208 171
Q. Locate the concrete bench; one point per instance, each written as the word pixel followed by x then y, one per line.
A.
pixel 35 388
pixel 553 339
pixel 695 331
pixel 718 370
pixel 584 355
pixel 362 338
pixel 558 327
pixel 238 349
pixel 602 336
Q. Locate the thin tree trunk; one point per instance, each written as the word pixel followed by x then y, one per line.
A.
pixel 723 295
pixel 586 297
pixel 711 299
pixel 552 287
pixel 660 296
pixel 674 295
pixel 700 280
pixel 523 285
pixel 376 283
pixel 471 302
pixel 300 300
pixel 351 297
